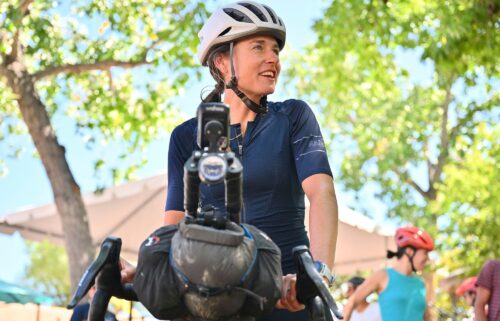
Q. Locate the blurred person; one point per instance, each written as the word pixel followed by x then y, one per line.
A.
pixel 81 311
pixel 402 294
pixel 468 289
pixel 487 305
pixel 364 310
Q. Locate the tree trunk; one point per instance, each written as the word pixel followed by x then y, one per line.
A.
pixel 66 191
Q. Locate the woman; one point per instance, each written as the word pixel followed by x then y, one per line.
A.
pixel 279 144
pixel 364 310
pixel 402 295
pixel 468 290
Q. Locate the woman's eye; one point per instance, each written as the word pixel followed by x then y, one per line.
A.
pixel 258 47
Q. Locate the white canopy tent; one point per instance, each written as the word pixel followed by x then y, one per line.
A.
pixel 133 210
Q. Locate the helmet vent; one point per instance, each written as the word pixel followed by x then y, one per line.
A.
pixel 237 15
pixel 224 32
pixel 270 13
pixel 255 10
pixel 281 22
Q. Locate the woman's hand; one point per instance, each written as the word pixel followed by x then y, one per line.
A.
pixel 127 271
pixel 289 295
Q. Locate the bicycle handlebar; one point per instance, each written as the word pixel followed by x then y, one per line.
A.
pixel 105 273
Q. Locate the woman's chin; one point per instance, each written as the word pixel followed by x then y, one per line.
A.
pixel 269 91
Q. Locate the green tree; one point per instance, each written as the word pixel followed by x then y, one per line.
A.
pixel 48 270
pixel 407 135
pixel 93 62
pixel 469 198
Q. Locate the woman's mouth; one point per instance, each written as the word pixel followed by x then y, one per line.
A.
pixel 268 74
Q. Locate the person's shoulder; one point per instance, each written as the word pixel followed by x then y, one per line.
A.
pixel 381 274
pixel 289 106
pixel 186 130
pixel 378 277
pixel 493 263
pixel 491 266
pixel 187 126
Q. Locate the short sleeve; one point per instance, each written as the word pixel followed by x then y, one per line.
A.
pixel 179 151
pixel 485 278
pixel 307 142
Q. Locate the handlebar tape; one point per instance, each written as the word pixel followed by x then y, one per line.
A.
pixel 191 187
pixel 234 191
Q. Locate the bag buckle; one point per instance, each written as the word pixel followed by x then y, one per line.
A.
pixel 204 292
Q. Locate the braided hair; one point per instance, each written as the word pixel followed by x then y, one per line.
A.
pixel 216 94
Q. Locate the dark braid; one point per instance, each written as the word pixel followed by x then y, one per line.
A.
pixel 399 253
pixel 216 94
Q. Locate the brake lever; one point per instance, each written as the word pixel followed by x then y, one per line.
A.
pixel 88 278
pixel 310 285
pixel 104 271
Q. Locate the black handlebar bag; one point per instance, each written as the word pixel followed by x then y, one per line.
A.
pixel 208 273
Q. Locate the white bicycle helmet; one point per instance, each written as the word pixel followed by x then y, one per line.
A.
pixel 238 20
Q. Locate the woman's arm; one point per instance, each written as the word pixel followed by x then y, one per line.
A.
pixel 375 283
pixel 482 299
pixel 172 217
pixel 323 217
pixel 323 232
pixel 427 312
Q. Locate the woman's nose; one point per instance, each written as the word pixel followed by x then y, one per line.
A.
pixel 272 56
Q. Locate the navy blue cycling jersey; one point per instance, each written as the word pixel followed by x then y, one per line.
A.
pixel 279 150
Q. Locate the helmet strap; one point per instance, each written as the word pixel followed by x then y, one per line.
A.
pixel 233 85
pixel 410 257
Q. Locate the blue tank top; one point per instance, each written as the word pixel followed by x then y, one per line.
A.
pixel 403 299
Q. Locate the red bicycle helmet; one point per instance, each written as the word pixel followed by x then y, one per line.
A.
pixel 415 237
pixel 466 286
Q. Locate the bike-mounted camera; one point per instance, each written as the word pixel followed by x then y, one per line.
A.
pixel 213 164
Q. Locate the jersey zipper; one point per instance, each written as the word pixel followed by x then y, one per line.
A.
pixel 239 141
pixel 240 150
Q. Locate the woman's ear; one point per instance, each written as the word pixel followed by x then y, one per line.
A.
pixel 221 62
pixel 410 251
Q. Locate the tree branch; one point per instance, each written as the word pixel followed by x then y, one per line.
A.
pixel 105 65
pixel 405 178
pixel 462 121
pixel 430 166
pixel 24 9
pixel 81 68
pixel 3 36
pixel 25 6
pixel 110 78
pixel 443 148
